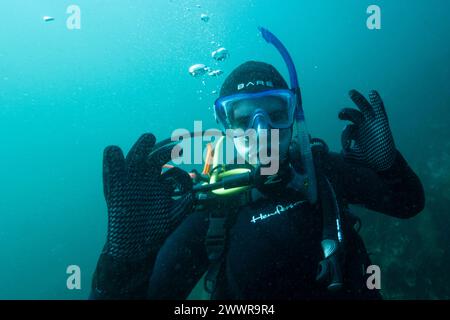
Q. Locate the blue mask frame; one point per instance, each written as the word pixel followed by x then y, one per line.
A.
pixel 223 108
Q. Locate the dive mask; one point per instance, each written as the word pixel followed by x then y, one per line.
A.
pixel 244 111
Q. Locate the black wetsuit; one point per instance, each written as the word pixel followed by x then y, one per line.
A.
pixel 277 257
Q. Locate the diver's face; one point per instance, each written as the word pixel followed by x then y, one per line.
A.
pixel 262 127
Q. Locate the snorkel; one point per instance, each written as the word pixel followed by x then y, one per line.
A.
pixel 332 238
pixel 307 176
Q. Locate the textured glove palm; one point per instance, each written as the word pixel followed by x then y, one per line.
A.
pixel 141 210
pixel 373 145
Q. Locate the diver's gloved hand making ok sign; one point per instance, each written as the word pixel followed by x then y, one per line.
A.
pixel 141 211
pixel 368 140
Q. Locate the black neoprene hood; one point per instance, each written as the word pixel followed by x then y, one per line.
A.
pixel 252 77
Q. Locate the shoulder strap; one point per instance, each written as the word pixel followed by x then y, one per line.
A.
pixel 222 214
pixel 215 243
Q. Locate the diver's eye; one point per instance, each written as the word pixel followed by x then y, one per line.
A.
pixel 241 122
pixel 278 116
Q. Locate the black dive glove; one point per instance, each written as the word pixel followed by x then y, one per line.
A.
pixel 373 145
pixel 141 214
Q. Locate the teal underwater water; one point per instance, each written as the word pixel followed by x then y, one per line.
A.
pixel 66 94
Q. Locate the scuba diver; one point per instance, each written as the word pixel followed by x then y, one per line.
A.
pixel 248 236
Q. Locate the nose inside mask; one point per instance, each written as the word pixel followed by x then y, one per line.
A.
pixel 270 111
